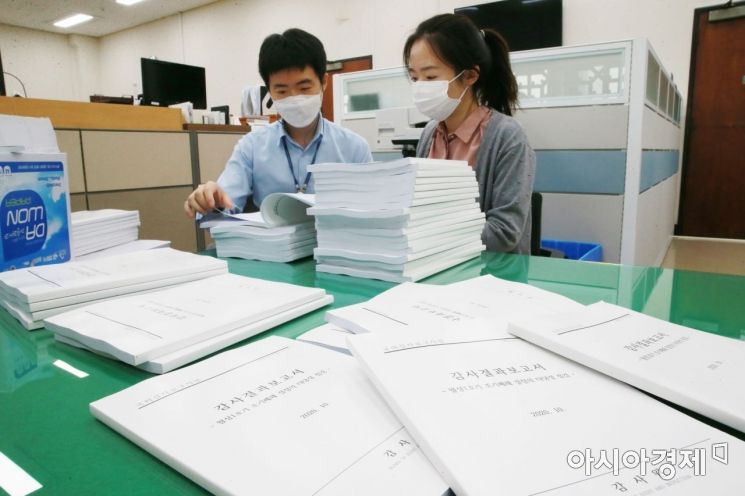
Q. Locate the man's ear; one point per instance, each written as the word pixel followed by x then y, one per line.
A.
pixel 324 82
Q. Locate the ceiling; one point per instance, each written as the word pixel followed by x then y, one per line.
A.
pixel 108 16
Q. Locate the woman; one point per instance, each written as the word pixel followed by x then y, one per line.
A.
pixel 463 81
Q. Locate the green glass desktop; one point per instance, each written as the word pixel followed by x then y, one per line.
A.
pixel 47 430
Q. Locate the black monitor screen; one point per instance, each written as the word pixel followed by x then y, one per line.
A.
pixel 166 83
pixel 525 24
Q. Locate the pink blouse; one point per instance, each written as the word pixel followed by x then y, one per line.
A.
pixel 463 143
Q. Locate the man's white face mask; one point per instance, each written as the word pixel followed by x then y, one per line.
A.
pixel 299 110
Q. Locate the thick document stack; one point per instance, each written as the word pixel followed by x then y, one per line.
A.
pixel 281 232
pixel 162 330
pixel 276 417
pixel 95 230
pixel 697 370
pixel 396 221
pixel 498 415
pixel 35 293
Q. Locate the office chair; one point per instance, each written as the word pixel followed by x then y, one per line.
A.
pixel 536 210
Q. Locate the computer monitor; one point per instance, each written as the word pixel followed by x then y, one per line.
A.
pixel 525 24
pixel 166 83
pixel 2 78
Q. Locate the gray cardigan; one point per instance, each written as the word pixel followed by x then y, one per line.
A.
pixel 505 168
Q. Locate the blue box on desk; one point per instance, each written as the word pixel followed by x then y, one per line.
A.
pixel 34 210
pixel 575 250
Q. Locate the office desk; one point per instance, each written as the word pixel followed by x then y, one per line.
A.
pixel 46 428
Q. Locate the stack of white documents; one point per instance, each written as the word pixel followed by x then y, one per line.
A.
pixel 35 293
pixel 491 411
pixel 165 329
pixel 94 230
pixel 281 232
pixel 444 362
pixel 132 246
pixel 274 417
pixel 397 221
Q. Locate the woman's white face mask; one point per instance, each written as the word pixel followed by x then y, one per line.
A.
pixel 299 110
pixel 431 98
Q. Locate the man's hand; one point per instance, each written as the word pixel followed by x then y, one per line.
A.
pixel 205 198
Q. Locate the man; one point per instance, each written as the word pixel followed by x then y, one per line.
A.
pixel 276 157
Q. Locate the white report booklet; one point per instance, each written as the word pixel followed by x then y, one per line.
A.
pixel 275 417
pixel 137 329
pixel 428 266
pixel 105 216
pixel 175 359
pixel 86 278
pixel 339 217
pixel 497 415
pixel 138 245
pixel 329 336
pixel 34 319
pixel 697 370
pixel 407 165
pixel 277 209
pixel 410 305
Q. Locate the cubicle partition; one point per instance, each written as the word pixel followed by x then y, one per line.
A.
pixel 149 171
pixel 604 120
pixel 135 158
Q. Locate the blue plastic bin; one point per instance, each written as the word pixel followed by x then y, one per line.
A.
pixel 575 250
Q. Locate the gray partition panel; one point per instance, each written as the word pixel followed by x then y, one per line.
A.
pixel 214 151
pixel 657 165
pixel 601 127
pixel 581 171
pixel 78 202
pixel 117 160
pixel 68 141
pixel 161 213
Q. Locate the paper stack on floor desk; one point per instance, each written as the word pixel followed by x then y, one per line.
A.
pixel 396 221
pixel 281 232
pixel 36 293
pixel 165 329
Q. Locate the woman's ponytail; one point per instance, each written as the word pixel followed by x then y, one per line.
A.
pixel 497 86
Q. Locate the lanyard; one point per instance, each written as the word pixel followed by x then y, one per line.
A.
pixel 300 188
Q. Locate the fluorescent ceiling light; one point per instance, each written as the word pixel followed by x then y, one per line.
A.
pixel 128 2
pixel 73 20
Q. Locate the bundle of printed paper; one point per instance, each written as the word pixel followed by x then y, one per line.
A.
pixel 397 221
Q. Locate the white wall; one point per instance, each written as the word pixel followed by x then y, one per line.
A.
pixel 668 24
pixel 55 66
pixel 225 37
